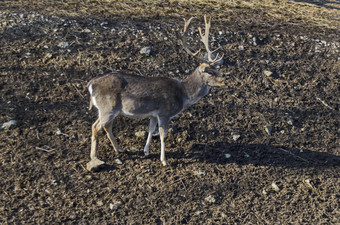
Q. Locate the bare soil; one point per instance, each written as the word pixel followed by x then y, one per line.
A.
pixel 282 73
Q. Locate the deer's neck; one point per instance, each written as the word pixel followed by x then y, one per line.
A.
pixel 194 87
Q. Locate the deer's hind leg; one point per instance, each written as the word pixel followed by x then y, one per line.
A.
pixel 108 130
pixel 163 124
pixel 152 127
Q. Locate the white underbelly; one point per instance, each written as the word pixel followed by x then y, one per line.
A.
pixel 139 115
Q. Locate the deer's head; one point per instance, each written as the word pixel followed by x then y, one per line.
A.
pixel 207 69
pixel 210 75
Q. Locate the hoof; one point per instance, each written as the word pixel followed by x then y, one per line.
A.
pixel 93 164
pixel 163 163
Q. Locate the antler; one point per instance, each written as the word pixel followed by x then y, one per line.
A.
pixel 184 42
pixel 204 39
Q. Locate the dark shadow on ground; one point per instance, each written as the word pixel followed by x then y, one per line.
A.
pixel 322 3
pixel 244 154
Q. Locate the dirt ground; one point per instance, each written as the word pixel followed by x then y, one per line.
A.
pixel 224 167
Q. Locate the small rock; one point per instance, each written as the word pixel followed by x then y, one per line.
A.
pixel 241 47
pixel 115 205
pixel 63 44
pixel 210 199
pixel 275 187
pixel 58 132
pixel 118 161
pixel 100 203
pixel 290 121
pixel 268 129
pixel 145 51
pixel 48 55
pixel 9 124
pixel 227 155
pixel 267 73
pixel 199 173
pixel 197 213
pixel 236 137
pixel 141 134
pixel 264 192
pixel 87 30
pixel 246 155
pixel 254 41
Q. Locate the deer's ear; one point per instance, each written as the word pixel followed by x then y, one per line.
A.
pixel 202 67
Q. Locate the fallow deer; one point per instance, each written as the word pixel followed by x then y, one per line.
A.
pixel 158 98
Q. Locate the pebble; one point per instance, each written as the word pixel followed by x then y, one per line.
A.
pixel 199 173
pixel 227 155
pixel 58 132
pixel 197 213
pixel 145 51
pixel 118 161
pixel 115 205
pixel 254 41
pixel 48 55
pixel 290 121
pixel 141 134
pixel 9 124
pixel 267 73
pixel 275 187
pixel 236 137
pixel 100 203
pixel 268 129
pixel 210 199
pixel 63 44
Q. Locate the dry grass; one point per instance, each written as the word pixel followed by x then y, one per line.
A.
pixel 315 13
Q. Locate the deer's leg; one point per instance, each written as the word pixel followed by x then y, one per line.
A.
pixel 108 130
pixel 95 162
pixel 103 120
pixel 163 124
pixel 152 127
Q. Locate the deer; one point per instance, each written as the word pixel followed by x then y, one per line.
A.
pixel 158 98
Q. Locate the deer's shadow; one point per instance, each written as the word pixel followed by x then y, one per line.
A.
pixel 256 154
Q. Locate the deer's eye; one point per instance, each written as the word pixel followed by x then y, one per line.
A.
pixel 211 71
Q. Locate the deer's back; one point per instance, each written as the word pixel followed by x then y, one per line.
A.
pixel 139 96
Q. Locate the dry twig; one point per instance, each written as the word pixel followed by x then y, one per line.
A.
pixel 46 149
pixel 324 103
pixel 305 160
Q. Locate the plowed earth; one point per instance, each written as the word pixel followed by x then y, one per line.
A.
pixel 224 167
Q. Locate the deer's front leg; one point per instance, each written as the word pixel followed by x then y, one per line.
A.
pixel 95 162
pixel 163 124
pixel 152 127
